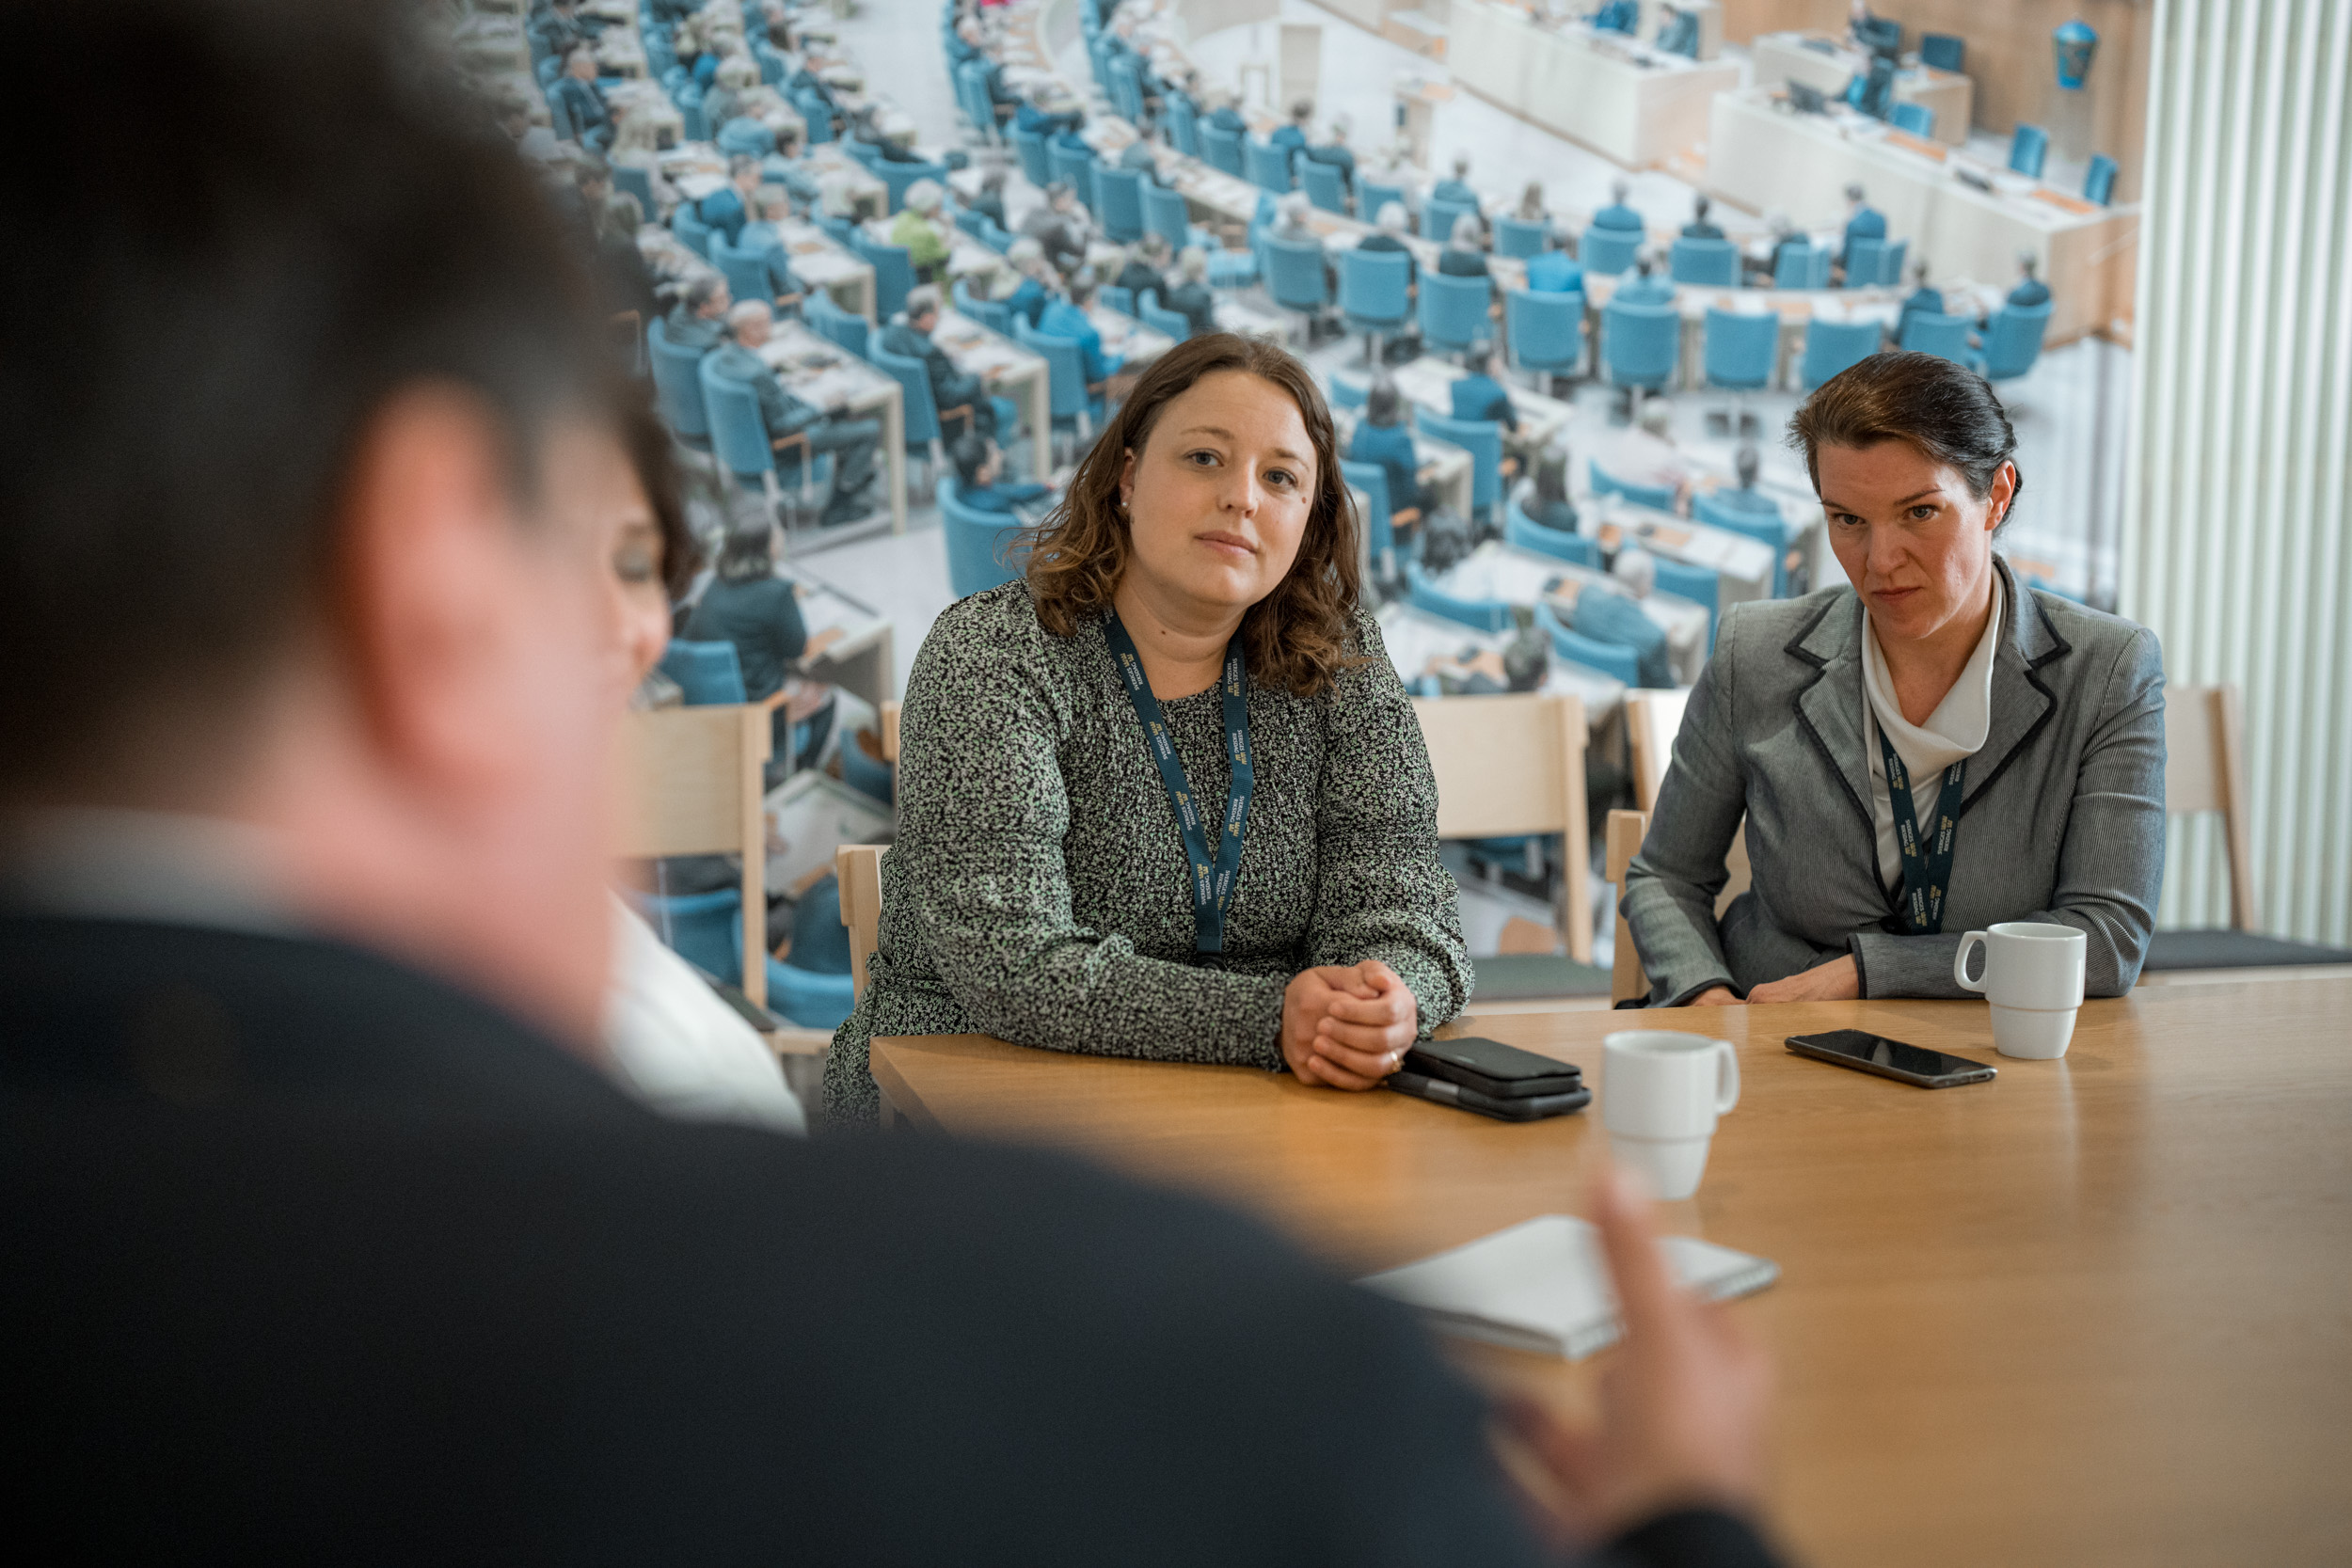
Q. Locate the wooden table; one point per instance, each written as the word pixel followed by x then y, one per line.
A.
pixel 2093 1312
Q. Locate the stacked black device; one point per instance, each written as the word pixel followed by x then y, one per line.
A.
pixel 1492 1079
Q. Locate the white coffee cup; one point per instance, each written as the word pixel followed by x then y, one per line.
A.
pixel 1660 1095
pixel 2033 977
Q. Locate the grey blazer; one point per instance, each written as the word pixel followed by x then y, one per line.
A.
pixel 2062 818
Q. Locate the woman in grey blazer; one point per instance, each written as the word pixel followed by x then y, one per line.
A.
pixel 2025 734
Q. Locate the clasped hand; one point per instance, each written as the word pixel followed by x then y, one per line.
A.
pixel 1347 1025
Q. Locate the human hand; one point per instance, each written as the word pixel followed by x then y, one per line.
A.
pixel 1714 996
pixel 1347 1026
pixel 1837 980
pixel 1682 1402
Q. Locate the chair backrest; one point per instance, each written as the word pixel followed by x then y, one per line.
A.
pixel 1118 202
pixel 814 114
pixel 897 177
pixel 1742 349
pixel 1221 148
pixel 1372 196
pixel 746 137
pixel 709 674
pixel 1831 346
pixel 1076 167
pixel 1641 343
pixel 1065 368
pixel 1265 166
pixel 692 120
pixel 1295 273
pixel 1508 765
pixel 1793 266
pixel 739 437
pixel 1658 497
pixel 1372 479
pixel 1453 309
pixel 1478 614
pixel 997 240
pixel 1482 439
pixel 1518 237
pixel 1524 531
pixel 1701 585
pixel 2099 180
pixel 1713 263
pixel 676 386
pixel 994 314
pixel 1148 310
pixel 1947 336
pixel 2013 342
pixel 2028 148
pixel 1613 659
pixel 1029 147
pixel 1606 252
pixel 894 272
pixel 1117 298
pixel 691 229
pixel 1126 91
pixel 829 320
pixel 1767 529
pixel 1866 264
pixel 746 271
pixel 1184 126
pixel 1891 265
pixel 1545 330
pixel 1326 185
pixel 1374 286
pixel 1917 119
pixel 632 181
pixel 971 98
pixel 913 379
pixel 1437 218
pixel 690 785
pixel 1165 214
pixel 2205 770
pixel 857 872
pixel 977 544
pixel 1943 51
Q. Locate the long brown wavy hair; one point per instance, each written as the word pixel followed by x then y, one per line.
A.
pixel 1298 637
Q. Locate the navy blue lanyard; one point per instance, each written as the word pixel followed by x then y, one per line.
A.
pixel 1212 875
pixel 1927 863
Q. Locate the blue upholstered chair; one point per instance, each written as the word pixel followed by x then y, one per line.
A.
pixel 1607 252
pixel 691 230
pixel 2028 149
pixel 1075 169
pixel 922 416
pixel 1943 52
pixel 1380 528
pixel 1545 331
pixel 894 272
pixel 978 544
pixel 746 137
pixel 897 177
pixel 1657 498
pixel 1437 218
pixel 745 270
pixel 1029 147
pixel 1479 614
pixel 738 439
pixel 1117 298
pixel 994 314
pixel 1833 346
pixel 828 320
pixel 709 674
pixel 1804 266
pixel 1372 196
pixel 2013 341
pixel 635 181
pixel 2099 180
pixel 1184 126
pixel 1518 238
pixel 1152 313
pixel 1769 528
pixel 1118 202
pixel 1265 166
pixel 1524 531
pixel 1375 295
pixel 1613 660
pixel 677 387
pixel 1482 440
pixel 1641 343
pixel 1741 350
pixel 1074 404
pixel 1326 185
pixel 1698 584
pixel 1453 310
pixel 1866 264
pixel 1947 336
pixel 1220 149
pixel 1713 263
pixel 1917 119
pixel 1293 274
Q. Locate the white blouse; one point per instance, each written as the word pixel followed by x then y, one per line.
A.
pixel 1956 729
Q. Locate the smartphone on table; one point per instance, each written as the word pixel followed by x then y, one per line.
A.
pixel 1890 1059
pixel 1492 1079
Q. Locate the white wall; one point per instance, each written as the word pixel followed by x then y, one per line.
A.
pixel 2233 541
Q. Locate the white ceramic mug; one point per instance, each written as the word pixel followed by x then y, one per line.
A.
pixel 1660 1095
pixel 2033 977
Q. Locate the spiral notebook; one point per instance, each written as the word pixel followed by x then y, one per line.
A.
pixel 1542 1284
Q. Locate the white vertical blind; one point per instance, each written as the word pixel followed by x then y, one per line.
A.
pixel 2234 515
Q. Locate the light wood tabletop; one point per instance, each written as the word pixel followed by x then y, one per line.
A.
pixel 2097 1310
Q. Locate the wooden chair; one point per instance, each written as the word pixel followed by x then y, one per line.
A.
pixel 890 731
pixel 1511 765
pixel 858 869
pixel 1626 829
pixel 2205 770
pixel 691 785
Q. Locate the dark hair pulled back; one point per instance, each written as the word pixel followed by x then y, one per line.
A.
pixel 1945 410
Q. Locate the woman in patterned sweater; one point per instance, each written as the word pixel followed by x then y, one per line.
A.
pixel 1053 884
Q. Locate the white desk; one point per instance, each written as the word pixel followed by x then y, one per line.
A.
pixel 1621 98
pixel 1508 575
pixel 850 643
pixel 1763 156
pixel 1743 566
pixel 1416 639
pixel 1799 57
pixel 1006 368
pixel 1127 340
pixel 1428 383
pixel 821 262
pixel 822 373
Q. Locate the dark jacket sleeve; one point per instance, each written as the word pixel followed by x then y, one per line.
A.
pixel 1670 889
pixel 2111 865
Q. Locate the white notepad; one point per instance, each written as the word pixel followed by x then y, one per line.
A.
pixel 1543 1285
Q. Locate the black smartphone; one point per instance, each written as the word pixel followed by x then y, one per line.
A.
pixel 1910 1064
pixel 1490 1067
pixel 1532 1107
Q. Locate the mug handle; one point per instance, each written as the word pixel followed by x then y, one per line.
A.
pixel 1727 1077
pixel 1960 963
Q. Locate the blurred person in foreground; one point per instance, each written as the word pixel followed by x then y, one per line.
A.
pixel 328 1233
